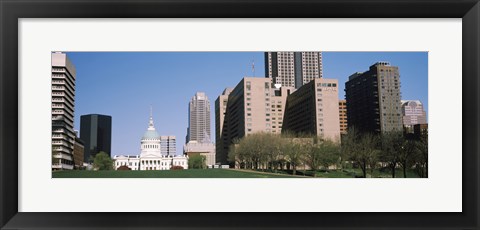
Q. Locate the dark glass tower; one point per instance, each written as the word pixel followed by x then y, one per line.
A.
pixel 96 132
pixel 374 99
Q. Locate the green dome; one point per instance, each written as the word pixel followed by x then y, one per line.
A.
pixel 151 134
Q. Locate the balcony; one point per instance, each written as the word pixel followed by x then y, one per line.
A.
pixel 63 156
pixel 62 166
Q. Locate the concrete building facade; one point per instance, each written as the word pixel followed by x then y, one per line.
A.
pixel 314 109
pixel 254 105
pixel 63 108
pixel 198 118
pixel 78 151
pixel 342 112
pixel 293 69
pixel 168 145
pixel 206 149
pixel 220 137
pixel 413 113
pixel 96 133
pixel 374 99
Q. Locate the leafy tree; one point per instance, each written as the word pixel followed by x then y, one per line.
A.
pixel 329 153
pixel 102 161
pixel 197 162
pixel 313 155
pixel 294 152
pixel 322 153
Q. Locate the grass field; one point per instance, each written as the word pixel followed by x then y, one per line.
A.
pixel 351 173
pixel 190 173
pixel 219 173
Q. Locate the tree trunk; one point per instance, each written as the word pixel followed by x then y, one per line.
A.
pixel 393 170
pixel 294 169
pixel 405 171
pixel 426 170
pixel 364 169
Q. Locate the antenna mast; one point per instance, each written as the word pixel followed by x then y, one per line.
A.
pixel 253 67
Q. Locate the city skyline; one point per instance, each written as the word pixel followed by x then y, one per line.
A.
pixel 124 85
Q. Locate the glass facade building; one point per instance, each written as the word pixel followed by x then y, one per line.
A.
pixel 96 133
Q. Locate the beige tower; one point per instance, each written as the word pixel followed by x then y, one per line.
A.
pixel 63 107
pixel 313 109
pixel 254 105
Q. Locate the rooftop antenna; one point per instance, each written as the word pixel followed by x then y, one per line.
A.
pixel 253 67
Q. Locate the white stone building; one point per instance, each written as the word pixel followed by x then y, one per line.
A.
pixel 151 157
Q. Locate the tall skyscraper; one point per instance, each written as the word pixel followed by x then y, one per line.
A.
pixel 293 69
pixel 413 113
pixel 168 145
pixel 198 118
pixel 96 133
pixel 63 107
pixel 313 109
pixel 253 106
pixel 373 99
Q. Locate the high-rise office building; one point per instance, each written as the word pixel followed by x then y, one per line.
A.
pixel 198 118
pixel 413 113
pixel 342 109
pixel 168 145
pixel 373 99
pixel 293 69
pixel 313 109
pixel 254 105
pixel 96 133
pixel 63 107
pixel 220 139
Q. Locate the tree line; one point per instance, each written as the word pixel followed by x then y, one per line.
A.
pixel 366 151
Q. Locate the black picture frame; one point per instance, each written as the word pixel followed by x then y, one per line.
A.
pixel 11 11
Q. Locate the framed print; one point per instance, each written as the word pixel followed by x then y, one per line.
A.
pixel 140 76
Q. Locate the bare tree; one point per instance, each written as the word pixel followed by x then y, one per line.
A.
pixel 407 153
pixel 422 157
pixel 392 143
pixel 361 149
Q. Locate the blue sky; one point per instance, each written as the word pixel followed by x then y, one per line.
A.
pixel 125 84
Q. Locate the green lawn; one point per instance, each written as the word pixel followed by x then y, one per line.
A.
pixel 348 173
pixel 189 173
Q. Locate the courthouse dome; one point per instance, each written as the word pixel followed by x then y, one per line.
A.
pixel 151 133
